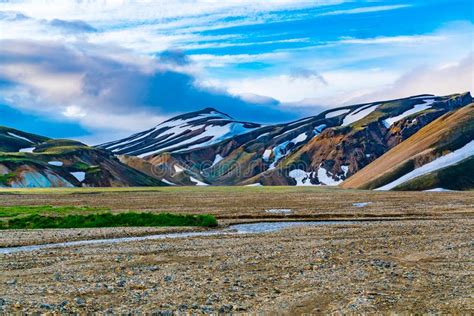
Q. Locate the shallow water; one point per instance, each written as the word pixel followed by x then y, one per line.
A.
pixel 253 228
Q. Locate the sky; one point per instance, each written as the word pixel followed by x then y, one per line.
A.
pixel 101 70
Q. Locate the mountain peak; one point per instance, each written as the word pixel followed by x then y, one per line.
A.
pixel 184 132
pixel 204 114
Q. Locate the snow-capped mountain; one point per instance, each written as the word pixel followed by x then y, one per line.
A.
pixel 418 143
pixel 325 149
pixel 181 133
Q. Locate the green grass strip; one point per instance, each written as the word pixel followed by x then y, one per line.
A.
pixel 109 220
pixel 12 211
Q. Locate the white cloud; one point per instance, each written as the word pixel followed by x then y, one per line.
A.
pixel 249 43
pixel 285 88
pixel 145 26
pixel 367 9
pixel 87 84
pixel 108 73
pixel 74 111
pixel 59 85
pixel 351 75
pixel 120 10
pixel 209 60
pixel 443 79
pixel 327 88
pixel 416 39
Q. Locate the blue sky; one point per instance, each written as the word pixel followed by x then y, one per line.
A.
pixel 99 70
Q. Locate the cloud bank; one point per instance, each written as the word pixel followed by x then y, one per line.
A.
pixel 123 66
pixel 102 90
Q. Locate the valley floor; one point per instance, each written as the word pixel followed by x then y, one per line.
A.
pixel 421 261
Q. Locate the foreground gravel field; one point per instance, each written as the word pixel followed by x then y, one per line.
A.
pixel 413 266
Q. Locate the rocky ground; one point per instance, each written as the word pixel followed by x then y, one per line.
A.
pixel 11 238
pixel 421 262
pixel 402 266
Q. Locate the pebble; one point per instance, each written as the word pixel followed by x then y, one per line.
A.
pixel 79 301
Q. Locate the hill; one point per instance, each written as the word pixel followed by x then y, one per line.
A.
pixel 28 160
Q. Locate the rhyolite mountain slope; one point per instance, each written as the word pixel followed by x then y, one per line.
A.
pixel 209 147
pixel 439 156
pixel 416 143
pixel 182 133
pixel 28 160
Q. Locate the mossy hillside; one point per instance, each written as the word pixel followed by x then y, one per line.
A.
pixel 6 178
pixel 10 143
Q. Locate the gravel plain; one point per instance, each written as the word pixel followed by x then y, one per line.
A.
pixel 408 265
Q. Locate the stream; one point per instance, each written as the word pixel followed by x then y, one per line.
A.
pixel 252 228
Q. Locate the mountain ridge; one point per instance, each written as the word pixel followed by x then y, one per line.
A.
pixel 334 144
pixel 208 147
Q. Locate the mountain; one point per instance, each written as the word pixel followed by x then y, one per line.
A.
pixel 210 147
pixel 28 160
pixel 365 134
pixel 182 133
pixel 417 143
pixel 440 155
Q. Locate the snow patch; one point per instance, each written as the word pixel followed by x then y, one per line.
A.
pixel 27 150
pixel 197 181
pixel 217 133
pixel 55 163
pixel 358 115
pixel 18 136
pixel 444 161
pixel 298 139
pixel 438 190
pixel 168 182
pixel 278 152
pixel 301 177
pixel 79 175
pixel 325 177
pixel 345 169
pixel 178 168
pixel 417 108
pixel 266 154
pixel 254 185
pixel 336 113
pixel 217 159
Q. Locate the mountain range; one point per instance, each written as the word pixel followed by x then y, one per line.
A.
pixel 423 142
